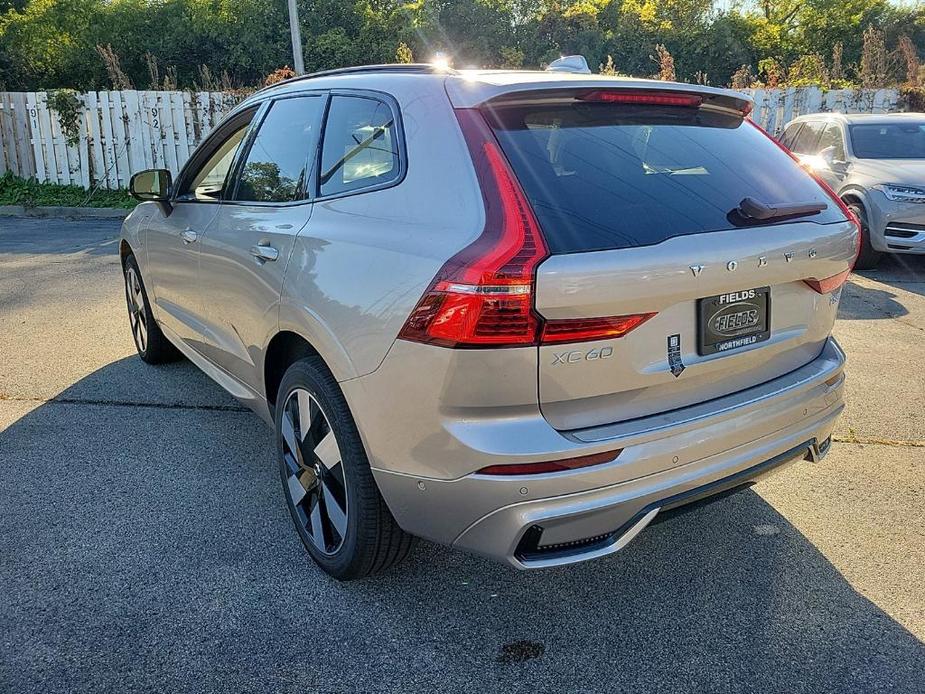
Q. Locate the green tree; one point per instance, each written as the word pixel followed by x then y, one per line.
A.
pixel 46 44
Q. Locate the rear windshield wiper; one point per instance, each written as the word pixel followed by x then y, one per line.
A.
pixel 755 209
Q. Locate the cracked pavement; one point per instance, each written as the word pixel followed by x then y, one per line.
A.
pixel 144 544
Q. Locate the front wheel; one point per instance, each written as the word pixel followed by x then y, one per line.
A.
pixel 868 257
pixel 332 497
pixel 151 344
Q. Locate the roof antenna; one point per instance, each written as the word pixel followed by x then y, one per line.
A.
pixel 570 63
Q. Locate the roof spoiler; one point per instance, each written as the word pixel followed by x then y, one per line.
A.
pixel 472 90
pixel 664 93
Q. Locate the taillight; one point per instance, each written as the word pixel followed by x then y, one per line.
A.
pixel 828 284
pixel 551 465
pixel 483 296
pixel 585 329
pixel 643 98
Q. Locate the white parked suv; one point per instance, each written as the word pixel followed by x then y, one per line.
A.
pixel 876 163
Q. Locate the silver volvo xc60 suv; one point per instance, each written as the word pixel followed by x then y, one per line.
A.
pixel 520 313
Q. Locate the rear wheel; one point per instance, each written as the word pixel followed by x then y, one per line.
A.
pixel 334 502
pixel 868 257
pixel 150 342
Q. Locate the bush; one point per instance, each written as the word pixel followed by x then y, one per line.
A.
pixel 278 75
pixel 30 193
pixel 912 99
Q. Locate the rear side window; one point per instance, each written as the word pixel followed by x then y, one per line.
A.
pixel 280 157
pixel 832 137
pixel 790 135
pixel 360 147
pixel 602 176
pixel 807 140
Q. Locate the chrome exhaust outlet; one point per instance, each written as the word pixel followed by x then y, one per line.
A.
pixel 818 451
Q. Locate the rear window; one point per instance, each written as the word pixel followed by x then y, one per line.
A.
pixel 603 176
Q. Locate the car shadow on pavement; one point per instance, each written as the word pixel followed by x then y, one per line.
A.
pixel 903 271
pixel 867 303
pixel 146 545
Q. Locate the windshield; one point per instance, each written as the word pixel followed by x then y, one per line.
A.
pixel 888 140
pixel 602 176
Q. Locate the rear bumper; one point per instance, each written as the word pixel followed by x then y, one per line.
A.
pixel 667 461
pixel 556 532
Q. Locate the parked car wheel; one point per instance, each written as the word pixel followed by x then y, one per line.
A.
pixel 868 257
pixel 153 347
pixel 335 504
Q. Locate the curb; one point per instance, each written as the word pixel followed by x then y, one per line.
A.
pixel 64 212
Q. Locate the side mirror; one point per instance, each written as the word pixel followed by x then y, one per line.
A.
pixel 151 184
pixel 828 156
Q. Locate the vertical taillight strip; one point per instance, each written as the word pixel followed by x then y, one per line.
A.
pixel 484 295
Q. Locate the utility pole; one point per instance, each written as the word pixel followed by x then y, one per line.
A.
pixel 298 64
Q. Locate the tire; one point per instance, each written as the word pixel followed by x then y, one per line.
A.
pixel 332 497
pixel 153 347
pixel 868 257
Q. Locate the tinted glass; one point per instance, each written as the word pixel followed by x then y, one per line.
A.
pixel 360 147
pixel 831 137
pixel 280 158
pixel 603 176
pixel 790 135
pixel 807 140
pixel 209 182
pixel 888 140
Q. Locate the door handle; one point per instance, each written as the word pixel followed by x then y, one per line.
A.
pixel 264 253
pixel 189 236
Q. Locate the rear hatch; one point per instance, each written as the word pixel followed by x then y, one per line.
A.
pixel 684 216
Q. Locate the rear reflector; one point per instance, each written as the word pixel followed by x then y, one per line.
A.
pixel 643 98
pixel 586 329
pixel 829 284
pixel 551 465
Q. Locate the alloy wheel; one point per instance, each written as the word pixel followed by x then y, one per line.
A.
pixel 316 485
pixel 136 309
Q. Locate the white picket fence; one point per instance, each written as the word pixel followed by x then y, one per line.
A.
pixel 775 107
pixel 122 132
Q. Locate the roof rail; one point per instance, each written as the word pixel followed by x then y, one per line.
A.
pixel 388 67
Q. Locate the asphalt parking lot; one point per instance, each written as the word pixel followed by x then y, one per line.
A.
pixel 144 543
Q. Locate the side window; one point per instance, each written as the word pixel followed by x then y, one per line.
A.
pixel 790 135
pixel 279 161
pixel 832 137
pixel 360 147
pixel 807 140
pixel 208 183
